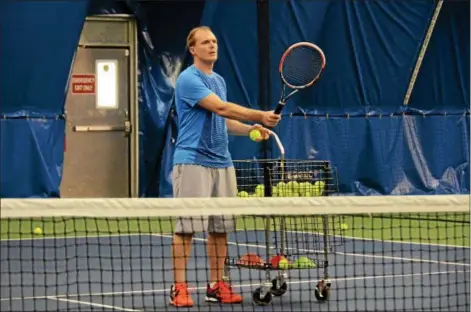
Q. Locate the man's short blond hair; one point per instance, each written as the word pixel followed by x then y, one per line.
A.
pixel 190 40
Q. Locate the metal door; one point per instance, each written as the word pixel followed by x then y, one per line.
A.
pixel 97 155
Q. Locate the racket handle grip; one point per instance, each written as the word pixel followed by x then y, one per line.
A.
pixel 279 108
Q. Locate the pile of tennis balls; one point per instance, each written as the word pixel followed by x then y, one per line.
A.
pixel 288 189
pixel 302 262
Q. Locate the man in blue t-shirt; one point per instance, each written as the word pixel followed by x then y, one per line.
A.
pixel 202 163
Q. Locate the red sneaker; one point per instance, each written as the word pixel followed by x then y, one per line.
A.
pixel 222 292
pixel 179 296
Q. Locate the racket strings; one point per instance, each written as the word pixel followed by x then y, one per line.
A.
pixel 301 66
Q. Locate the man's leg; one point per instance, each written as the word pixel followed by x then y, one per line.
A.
pixel 219 290
pixel 188 181
pixel 181 249
pixel 217 253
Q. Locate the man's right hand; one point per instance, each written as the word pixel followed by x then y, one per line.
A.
pixel 270 119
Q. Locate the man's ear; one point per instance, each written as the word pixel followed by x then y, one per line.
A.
pixel 192 50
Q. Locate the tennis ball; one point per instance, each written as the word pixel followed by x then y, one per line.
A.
pixel 260 190
pixel 319 188
pixel 275 260
pixel 243 194
pixel 303 188
pixel 255 134
pixel 37 231
pixel 283 264
pixel 344 226
pixel 288 193
pixel 292 186
pixel 281 186
pixel 304 262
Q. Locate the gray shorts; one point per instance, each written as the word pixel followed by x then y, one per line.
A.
pixel 199 181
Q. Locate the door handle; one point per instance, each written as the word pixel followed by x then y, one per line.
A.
pixel 127 128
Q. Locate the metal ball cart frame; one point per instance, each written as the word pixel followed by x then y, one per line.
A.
pixel 315 233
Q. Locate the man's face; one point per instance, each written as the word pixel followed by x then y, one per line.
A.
pixel 206 46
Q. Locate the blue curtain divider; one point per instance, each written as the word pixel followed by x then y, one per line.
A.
pixel 378 145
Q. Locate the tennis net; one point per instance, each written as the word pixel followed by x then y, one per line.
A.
pixel 339 253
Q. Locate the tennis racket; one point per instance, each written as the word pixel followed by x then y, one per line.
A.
pixel 300 67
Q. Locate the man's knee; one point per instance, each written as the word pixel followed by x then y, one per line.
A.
pixel 217 235
pixel 222 225
pixel 182 235
pixel 180 240
pixel 191 225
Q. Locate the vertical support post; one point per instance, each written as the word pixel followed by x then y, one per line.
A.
pixel 263 36
pixel 420 58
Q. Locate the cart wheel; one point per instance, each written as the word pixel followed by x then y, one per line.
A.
pixel 322 291
pixel 277 289
pixel 261 299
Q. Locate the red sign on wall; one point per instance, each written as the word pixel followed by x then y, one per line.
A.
pixel 83 84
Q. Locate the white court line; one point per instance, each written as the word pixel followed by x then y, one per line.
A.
pixel 291 282
pixel 342 253
pixel 383 257
pixel 244 230
pixel 383 240
pixel 93 304
pixel 71 237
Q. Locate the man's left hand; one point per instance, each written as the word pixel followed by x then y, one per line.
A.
pixel 264 131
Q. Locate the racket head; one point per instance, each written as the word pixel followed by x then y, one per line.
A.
pixel 301 65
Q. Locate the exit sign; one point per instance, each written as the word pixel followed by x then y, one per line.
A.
pixel 83 84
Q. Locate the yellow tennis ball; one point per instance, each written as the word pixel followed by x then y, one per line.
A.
pixel 283 264
pixel 260 190
pixel 38 231
pixel 255 134
pixel 243 194
pixel 319 188
pixel 344 226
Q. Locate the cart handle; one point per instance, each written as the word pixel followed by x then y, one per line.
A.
pixel 278 142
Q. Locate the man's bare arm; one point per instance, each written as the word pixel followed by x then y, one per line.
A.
pixel 235 127
pixel 230 110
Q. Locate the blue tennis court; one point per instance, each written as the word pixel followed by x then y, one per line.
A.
pixel 134 273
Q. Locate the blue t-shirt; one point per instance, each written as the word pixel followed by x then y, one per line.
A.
pixel 202 136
